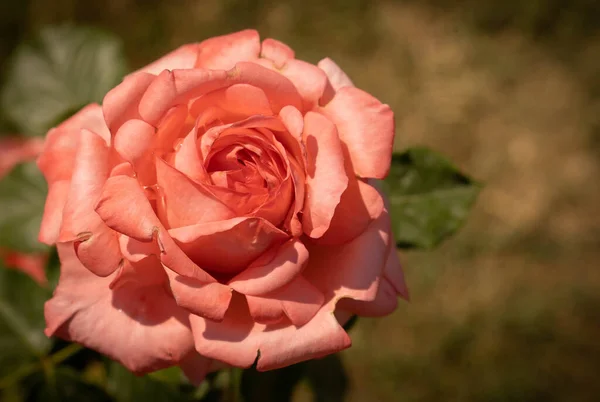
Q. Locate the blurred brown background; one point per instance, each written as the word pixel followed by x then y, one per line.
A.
pixel 508 310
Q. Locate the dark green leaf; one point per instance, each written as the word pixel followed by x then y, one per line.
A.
pixel 429 198
pixel 63 69
pixel 22 196
pixel 65 385
pixel 22 338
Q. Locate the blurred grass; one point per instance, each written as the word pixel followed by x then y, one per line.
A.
pixel 508 310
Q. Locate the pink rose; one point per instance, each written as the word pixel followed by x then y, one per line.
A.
pixel 220 206
pixel 15 150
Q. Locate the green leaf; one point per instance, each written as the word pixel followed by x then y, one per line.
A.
pixel 63 69
pixel 22 196
pixel 429 198
pixel 22 339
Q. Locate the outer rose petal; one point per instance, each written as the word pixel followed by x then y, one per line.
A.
pixel 196 367
pixel 311 82
pixel 180 58
pixel 171 88
pixel 300 300
pixel 336 75
pixel 359 205
pixel 278 52
pixel 53 211
pixel 394 273
pixel 366 127
pixel 129 324
pixel 121 103
pixel 237 339
pixel 56 163
pixel 326 180
pixel 91 118
pixel 279 89
pixel 386 300
pixel 223 52
pixel 96 245
pixel 358 264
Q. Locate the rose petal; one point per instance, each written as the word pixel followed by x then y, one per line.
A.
pixel 241 100
pixel 56 163
pixel 310 81
pixel 366 127
pixel 188 160
pixel 300 300
pixel 326 180
pixel 135 250
pixel 133 139
pixel 208 300
pixel 138 220
pixel 53 211
pixel 336 75
pixel 385 302
pixel 95 244
pixel 175 124
pixel 293 121
pixel 353 269
pixel 222 52
pixel 394 273
pixel 238 339
pixel 145 272
pixel 183 57
pixel 171 88
pixel 185 202
pixel 90 117
pixel 265 310
pixel 121 103
pixel 276 208
pixel 263 277
pixel 196 367
pixel 125 209
pixel 129 324
pixel 278 52
pixel 359 205
pixel 279 90
pixel 227 246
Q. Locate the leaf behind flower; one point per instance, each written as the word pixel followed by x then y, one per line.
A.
pixel 57 73
pixel 430 198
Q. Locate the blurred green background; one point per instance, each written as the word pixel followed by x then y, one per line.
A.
pixel 509 309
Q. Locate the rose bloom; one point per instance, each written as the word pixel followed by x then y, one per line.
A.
pixel 220 207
